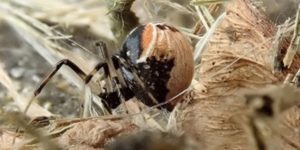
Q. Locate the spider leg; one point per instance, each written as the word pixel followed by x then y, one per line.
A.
pixel 113 66
pixel 136 78
pixel 110 97
pixel 119 92
pixel 87 78
pixel 67 62
pixel 70 64
pixel 95 70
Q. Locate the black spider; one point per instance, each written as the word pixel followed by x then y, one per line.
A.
pixel 155 64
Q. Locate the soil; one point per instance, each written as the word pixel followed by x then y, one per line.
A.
pixel 27 68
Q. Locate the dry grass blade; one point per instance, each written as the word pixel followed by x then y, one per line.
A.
pixel 296 79
pixel 90 99
pixel 43 46
pixel 150 121
pixel 39 136
pixel 21 100
pixel 176 6
pixel 202 43
pixel 207 14
pixel 201 16
pixel 294 46
pixel 277 63
pixel 57 11
pixel 207 2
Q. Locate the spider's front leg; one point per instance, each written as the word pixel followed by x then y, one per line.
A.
pixel 112 95
pixel 114 98
pixel 70 64
pixel 117 91
pixel 66 62
pixel 74 67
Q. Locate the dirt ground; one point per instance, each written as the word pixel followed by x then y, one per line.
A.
pixel 27 68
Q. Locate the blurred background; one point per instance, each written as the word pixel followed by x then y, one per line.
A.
pixel 36 34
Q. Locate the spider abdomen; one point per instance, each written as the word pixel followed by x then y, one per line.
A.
pixel 162 57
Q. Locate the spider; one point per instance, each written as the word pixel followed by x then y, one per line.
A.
pixel 155 64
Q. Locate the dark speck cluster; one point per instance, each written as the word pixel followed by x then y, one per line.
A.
pixel 155 77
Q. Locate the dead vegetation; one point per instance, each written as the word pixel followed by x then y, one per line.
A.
pixel 244 95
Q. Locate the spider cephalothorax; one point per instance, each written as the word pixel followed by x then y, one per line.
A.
pixel 155 64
